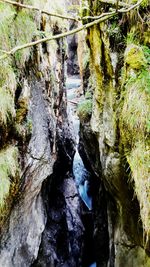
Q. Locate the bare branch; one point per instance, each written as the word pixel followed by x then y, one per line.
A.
pixel 122 10
pixel 130 8
pixel 113 2
pixel 100 16
pixel 65 34
pixel 54 37
pixel 37 9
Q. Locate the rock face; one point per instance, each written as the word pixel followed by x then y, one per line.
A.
pixel 72 62
pixel 111 145
pixel 44 211
pixel 42 219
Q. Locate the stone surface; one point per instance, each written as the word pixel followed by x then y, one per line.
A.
pixel 45 151
pixel 106 152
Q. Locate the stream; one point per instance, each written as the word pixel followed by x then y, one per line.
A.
pixel 81 175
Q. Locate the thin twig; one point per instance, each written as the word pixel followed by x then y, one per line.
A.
pixel 112 2
pixel 130 8
pixel 100 16
pixel 122 10
pixel 38 9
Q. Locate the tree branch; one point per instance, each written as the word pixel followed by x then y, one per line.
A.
pixel 65 34
pixel 113 2
pixel 130 8
pixel 54 37
pixel 38 9
pixel 122 10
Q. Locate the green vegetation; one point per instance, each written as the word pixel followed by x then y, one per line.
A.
pixel 7 14
pixel 23 31
pixel 134 57
pixel 22 110
pixel 84 110
pixel 134 121
pixel 8 171
pixel 7 89
pixel 7 110
pixel 139 160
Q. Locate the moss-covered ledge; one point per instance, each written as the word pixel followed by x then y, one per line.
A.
pixel 134 127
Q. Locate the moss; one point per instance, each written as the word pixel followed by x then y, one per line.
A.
pixel 88 95
pixel 135 105
pixel 135 257
pixel 134 117
pixel 84 110
pixel 145 3
pixel 7 76
pixel 146 51
pixel 139 160
pixel 8 171
pixel 134 57
pixel 21 110
pixel 7 111
pixel 23 31
pixel 95 44
pixel 7 14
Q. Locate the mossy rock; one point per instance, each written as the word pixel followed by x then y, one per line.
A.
pixel 7 110
pixel 22 110
pixel 139 160
pixel 84 110
pixel 8 170
pixel 133 124
pixel 134 57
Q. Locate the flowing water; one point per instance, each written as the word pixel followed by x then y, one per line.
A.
pixel 81 175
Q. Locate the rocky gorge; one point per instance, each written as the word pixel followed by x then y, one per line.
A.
pixel 74 134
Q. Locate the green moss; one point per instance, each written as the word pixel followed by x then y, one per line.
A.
pixel 145 3
pixel 8 170
pixel 135 111
pixel 22 110
pixel 7 91
pixel 139 161
pixel 146 51
pixel 95 64
pixel 23 31
pixel 135 105
pixel 88 95
pixel 134 118
pixel 7 111
pixel 84 110
pixel 7 14
pixel 134 57
pixel 7 75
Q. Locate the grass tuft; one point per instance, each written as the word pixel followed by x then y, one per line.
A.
pixel 84 110
pixel 139 160
pixel 7 111
pixel 8 170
